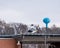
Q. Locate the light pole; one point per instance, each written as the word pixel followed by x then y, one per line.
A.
pixel 46 21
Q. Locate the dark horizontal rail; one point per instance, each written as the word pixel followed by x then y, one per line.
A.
pixel 9 36
pixel 21 35
pixel 41 34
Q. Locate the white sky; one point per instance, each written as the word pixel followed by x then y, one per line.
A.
pixel 30 11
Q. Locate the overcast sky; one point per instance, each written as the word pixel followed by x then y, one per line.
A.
pixel 30 11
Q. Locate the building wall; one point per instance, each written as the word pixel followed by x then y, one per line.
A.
pixel 8 43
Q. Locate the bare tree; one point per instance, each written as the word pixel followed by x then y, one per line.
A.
pixel 22 28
